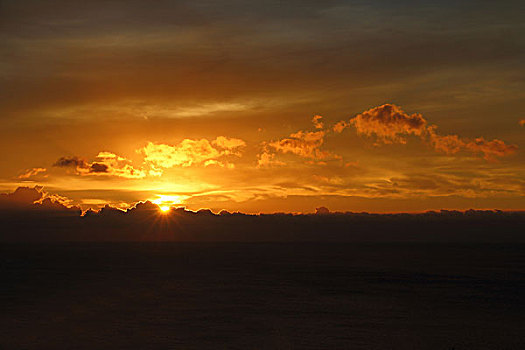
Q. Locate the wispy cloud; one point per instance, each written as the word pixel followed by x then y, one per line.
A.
pixel 32 172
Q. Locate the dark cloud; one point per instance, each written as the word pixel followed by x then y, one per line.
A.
pixel 74 162
pixel 31 200
pixel 22 196
pixel 98 168
pixel 53 221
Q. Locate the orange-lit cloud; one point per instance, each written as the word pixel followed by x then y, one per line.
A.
pixel 229 145
pixel 266 159
pixel 452 144
pixel 114 165
pixel 105 164
pixel 317 122
pixel 491 149
pixel 32 172
pixel 390 124
pixel 340 126
pixel 191 152
pixel 305 144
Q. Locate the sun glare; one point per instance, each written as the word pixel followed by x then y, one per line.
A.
pixel 166 202
pixel 163 199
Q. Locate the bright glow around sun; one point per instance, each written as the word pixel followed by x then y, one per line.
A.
pixel 164 199
pixel 165 202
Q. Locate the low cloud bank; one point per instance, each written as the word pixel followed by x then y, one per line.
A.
pixel 29 214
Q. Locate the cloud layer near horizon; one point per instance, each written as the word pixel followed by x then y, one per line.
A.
pixel 30 214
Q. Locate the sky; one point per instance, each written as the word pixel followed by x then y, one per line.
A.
pixel 267 106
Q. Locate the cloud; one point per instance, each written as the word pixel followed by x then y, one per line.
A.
pixel 317 122
pixel 74 162
pixel 191 152
pixel 449 144
pixel 306 144
pixel 389 124
pixel 29 214
pixel 106 163
pixel 98 168
pixel 35 198
pixel 219 164
pixel 522 122
pixel 232 145
pixel 267 159
pixel 340 126
pixel 32 172
pixel 452 144
pixel 158 157
pixel 491 149
pixel 22 196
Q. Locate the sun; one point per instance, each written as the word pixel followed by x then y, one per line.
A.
pixel 165 202
pixel 164 208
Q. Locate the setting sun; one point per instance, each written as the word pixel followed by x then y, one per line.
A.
pixel 165 202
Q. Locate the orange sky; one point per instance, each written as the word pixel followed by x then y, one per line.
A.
pixel 265 107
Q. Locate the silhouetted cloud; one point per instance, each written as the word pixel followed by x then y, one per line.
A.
pixel 322 211
pixel 74 162
pixel 24 196
pixel 98 168
pixel 29 214
pixel 34 199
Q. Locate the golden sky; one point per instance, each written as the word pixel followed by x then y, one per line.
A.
pixel 267 106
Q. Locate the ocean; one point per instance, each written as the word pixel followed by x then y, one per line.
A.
pixel 262 296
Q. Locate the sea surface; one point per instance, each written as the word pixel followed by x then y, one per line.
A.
pixel 262 296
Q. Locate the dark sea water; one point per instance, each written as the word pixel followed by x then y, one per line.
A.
pixel 262 296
